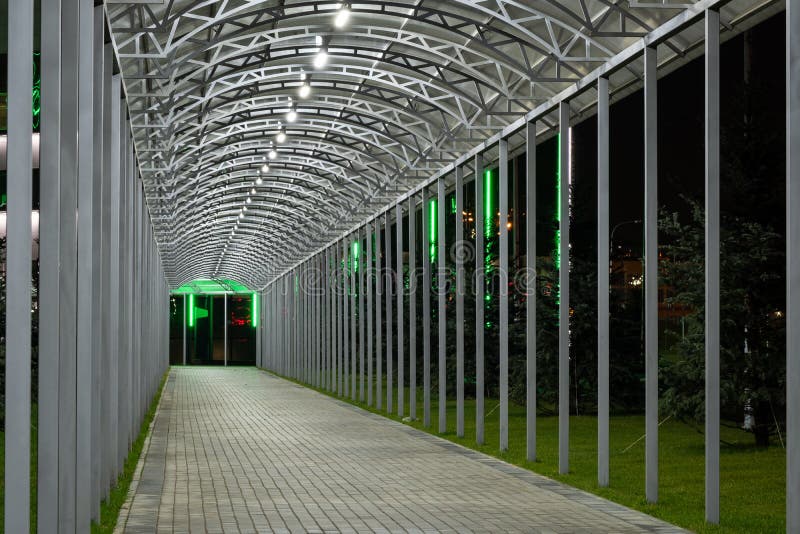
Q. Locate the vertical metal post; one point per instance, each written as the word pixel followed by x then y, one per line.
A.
pixel 563 302
pixel 651 273
pixel 378 318
pixel 603 214
pixel 49 232
pixel 108 383
pixel 98 359
pixel 353 319
pixel 503 202
pixel 400 333
pixel 793 265
pixel 362 266
pixel 388 280
pixel 370 332
pixel 339 314
pixel 479 290
pixel 412 308
pixel 346 315
pixel 18 287
pixel 426 310
pixel 185 304
pixel 225 338
pixel 70 31
pixel 85 331
pixel 530 301
pixel 712 266
pixel 459 251
pixel 442 315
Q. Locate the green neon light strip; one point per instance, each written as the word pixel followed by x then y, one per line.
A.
pixel 354 255
pixel 557 240
pixel 432 227
pixel 255 310
pixel 191 310
pixel 488 204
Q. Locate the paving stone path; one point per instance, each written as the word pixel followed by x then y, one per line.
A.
pixel 238 450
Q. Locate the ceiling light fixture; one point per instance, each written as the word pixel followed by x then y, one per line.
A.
pixel 253 191
pixel 272 154
pixel 342 17
pixel 264 168
pixel 322 58
pixel 259 181
pixel 305 90
pixel 249 200
pixel 281 136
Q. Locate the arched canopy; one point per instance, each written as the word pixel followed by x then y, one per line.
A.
pixel 408 86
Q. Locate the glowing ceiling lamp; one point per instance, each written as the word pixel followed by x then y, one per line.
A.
pixel 259 181
pixel 292 115
pixel 281 136
pixel 264 168
pixel 322 58
pixel 305 90
pixel 253 191
pixel 249 200
pixel 342 17
pixel 272 154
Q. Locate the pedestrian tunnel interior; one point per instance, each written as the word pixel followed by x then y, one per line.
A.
pixel 213 322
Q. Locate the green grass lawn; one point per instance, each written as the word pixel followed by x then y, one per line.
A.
pixel 752 480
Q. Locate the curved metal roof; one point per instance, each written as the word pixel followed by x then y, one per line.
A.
pixel 407 88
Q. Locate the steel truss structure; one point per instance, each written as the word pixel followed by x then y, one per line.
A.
pixel 161 164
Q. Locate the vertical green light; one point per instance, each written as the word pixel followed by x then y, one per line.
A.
pixel 432 228
pixel 254 315
pixel 557 239
pixel 488 204
pixel 191 310
pixel 355 255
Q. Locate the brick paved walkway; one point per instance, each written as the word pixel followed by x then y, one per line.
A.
pixel 238 450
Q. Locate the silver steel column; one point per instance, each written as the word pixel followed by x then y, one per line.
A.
pixel 185 304
pixel 503 202
pixel 442 316
pixel 85 300
pixel 339 313
pixel 329 318
pixel 479 289
pixel 362 265
pixel 18 281
pixel 651 273
pixel 563 302
pixel 49 238
pixel 712 266
pixel 530 300
pixel 370 332
pixel 426 310
pixel 114 352
pixel 792 265
pixel 225 338
pixel 346 315
pixel 378 318
pixel 412 308
pixel 458 251
pixel 70 31
pixel 388 279
pixel 98 356
pixel 603 266
pixel 400 333
pixel 353 324
pixel 108 389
